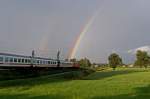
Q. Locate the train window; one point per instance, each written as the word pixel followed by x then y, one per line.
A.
pixel 22 60
pixel 38 61
pixel 7 59
pixel 34 61
pixel 26 60
pixel 29 61
pixel 49 62
pixel 43 62
pixel 15 60
pixel 19 60
pixel 1 59
pixel 11 59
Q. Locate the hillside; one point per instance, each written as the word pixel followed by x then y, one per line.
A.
pixel 119 84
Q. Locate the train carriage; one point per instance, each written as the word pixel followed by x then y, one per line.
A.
pixel 13 60
pixel 45 62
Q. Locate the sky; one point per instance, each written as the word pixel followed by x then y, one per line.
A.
pixel 46 26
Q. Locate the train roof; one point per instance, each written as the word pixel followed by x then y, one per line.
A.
pixel 45 58
pixel 8 54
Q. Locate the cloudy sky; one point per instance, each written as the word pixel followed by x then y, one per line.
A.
pixel 121 26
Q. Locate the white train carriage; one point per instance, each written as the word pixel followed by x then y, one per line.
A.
pixel 13 60
pixel 45 62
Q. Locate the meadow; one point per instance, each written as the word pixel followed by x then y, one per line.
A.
pixel 125 83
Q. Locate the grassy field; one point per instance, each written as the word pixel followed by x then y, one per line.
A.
pixel 108 84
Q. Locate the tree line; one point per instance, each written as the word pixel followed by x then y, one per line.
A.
pixel 142 59
pixel 114 60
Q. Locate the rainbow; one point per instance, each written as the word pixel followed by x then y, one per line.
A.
pixel 81 35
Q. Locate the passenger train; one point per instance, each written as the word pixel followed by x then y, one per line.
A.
pixel 13 60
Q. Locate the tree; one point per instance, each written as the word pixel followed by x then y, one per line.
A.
pixel 73 60
pixel 114 60
pixel 85 62
pixel 142 59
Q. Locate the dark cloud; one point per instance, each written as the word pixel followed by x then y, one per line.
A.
pixel 120 26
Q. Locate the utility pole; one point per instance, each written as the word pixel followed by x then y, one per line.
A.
pixel 58 58
pixel 32 58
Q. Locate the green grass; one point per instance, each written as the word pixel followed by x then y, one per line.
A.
pixel 108 84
